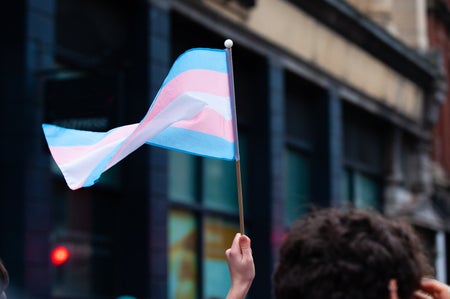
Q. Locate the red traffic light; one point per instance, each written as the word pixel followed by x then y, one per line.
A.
pixel 59 255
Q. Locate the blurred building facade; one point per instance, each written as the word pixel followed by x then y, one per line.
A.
pixel 337 105
pixel 424 26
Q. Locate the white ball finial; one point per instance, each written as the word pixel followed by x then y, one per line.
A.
pixel 228 43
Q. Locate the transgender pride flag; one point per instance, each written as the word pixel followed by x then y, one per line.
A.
pixel 192 112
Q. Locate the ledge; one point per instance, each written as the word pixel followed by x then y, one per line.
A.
pixel 348 22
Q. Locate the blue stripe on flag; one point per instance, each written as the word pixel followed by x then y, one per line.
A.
pixel 58 136
pixel 189 141
pixel 199 58
pixel 95 174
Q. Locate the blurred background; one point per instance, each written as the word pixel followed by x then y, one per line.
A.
pixel 339 103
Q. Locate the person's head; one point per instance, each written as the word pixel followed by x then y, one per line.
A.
pixel 336 254
pixel 4 280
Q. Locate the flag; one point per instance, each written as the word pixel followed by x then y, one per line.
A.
pixel 192 113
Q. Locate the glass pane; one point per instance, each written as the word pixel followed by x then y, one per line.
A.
pixel 302 99
pixel 182 176
pixel 367 192
pixel 218 237
pixel 296 185
pixel 370 146
pixel 183 270
pixel 363 139
pixel 219 184
pixel 346 188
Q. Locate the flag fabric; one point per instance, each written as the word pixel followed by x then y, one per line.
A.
pixel 191 113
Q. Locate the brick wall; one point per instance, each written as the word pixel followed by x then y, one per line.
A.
pixel 439 38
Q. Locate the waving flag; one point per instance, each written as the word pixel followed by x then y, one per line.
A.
pixel 192 113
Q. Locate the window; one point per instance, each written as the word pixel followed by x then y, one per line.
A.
pixel 218 235
pixel 183 252
pixel 182 177
pixel 205 188
pixel 203 220
pixel 296 185
pixel 363 169
pixel 366 191
pixel 183 270
pixel 219 185
pixel 361 190
pixel 410 165
pixel 302 98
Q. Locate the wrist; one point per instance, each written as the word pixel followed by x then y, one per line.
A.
pixel 238 291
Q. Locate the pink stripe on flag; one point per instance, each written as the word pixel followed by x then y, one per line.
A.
pixel 195 80
pixel 67 154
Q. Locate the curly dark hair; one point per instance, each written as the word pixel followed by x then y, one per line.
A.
pixel 4 277
pixel 337 254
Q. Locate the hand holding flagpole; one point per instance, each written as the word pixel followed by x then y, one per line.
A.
pixel 228 44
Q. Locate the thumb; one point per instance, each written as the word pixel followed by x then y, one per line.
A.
pixel 245 245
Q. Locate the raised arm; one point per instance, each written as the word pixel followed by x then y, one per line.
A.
pixel 241 266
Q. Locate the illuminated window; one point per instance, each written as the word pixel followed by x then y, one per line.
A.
pixel 204 210
pixel 183 272
pixel 218 235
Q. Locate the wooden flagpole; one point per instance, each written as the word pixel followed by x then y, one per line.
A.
pixel 228 44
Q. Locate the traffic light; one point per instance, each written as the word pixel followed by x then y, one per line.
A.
pixel 59 255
